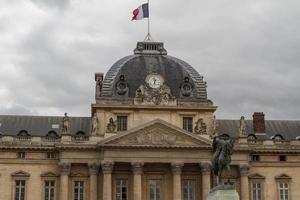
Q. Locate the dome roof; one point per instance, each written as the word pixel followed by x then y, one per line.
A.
pixel 151 58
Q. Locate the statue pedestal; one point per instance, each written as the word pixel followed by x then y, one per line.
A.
pixel 223 195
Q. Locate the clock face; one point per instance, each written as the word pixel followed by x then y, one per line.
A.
pixel 154 82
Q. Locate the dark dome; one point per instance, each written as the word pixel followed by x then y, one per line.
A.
pixel 153 59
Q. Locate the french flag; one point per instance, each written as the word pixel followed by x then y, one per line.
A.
pixel 141 12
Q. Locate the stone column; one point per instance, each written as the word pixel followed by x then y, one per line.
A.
pixel 65 169
pixel 176 170
pixel 107 168
pixel 244 171
pixel 206 171
pixel 93 169
pixel 137 169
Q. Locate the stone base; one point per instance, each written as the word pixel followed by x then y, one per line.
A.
pixel 223 195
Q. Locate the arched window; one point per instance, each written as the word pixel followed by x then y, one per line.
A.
pixel 23 133
pixel 80 133
pixel 277 139
pixel 52 134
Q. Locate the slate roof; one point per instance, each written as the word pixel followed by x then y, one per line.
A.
pixel 288 129
pixel 41 125
pixel 137 67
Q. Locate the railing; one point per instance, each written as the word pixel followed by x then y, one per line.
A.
pixel 79 138
pixel 51 139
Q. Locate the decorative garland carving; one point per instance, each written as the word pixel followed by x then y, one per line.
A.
pixel 154 96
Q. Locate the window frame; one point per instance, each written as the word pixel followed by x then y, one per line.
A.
pixel 50 176
pixel 283 179
pixel 19 153
pixel 122 116
pixel 115 187
pixel 192 123
pixel 255 179
pixel 19 176
pixel 195 187
pixel 85 187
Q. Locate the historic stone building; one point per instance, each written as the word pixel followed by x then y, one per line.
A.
pixel 149 138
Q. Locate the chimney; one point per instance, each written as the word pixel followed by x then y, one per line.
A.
pixel 259 122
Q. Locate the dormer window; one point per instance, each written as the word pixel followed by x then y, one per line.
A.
pixel 23 133
pixel 277 139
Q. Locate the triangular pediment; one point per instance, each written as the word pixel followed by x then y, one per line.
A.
pixel 283 177
pixel 49 174
pixel 157 133
pixel 20 174
pixel 256 176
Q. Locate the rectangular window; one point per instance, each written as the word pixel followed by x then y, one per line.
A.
pixel 121 123
pixel 187 124
pixel 21 155
pixel 282 158
pixel 49 190
pixel 51 155
pixel 154 189
pixel 78 190
pixel 20 190
pixel 255 158
pixel 121 189
pixel 256 191
pixel 188 190
pixel 284 191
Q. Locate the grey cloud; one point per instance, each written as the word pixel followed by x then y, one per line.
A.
pixel 52 4
pixel 247 52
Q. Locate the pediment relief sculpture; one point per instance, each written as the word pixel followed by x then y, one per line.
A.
pixel 157 135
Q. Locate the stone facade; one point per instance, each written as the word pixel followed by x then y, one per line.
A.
pixel 152 147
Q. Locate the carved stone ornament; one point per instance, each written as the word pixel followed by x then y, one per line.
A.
pixel 137 167
pixel 146 95
pixel 94 128
pixel 242 128
pixel 107 167
pixel 122 86
pixel 66 124
pixel 200 127
pixel 64 168
pixel 93 168
pixel 186 88
pixel 155 138
pixel 205 167
pixel 244 169
pixel 177 168
pixel 111 126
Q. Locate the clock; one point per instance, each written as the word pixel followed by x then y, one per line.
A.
pixel 154 81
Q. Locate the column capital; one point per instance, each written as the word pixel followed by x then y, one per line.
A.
pixel 107 167
pixel 176 168
pixel 205 167
pixel 64 168
pixel 137 167
pixel 93 168
pixel 244 169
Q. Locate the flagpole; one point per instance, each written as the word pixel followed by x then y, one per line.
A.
pixel 148 36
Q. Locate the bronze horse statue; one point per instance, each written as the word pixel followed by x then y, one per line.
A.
pixel 222 151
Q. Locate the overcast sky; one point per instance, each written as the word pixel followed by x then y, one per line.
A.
pixel 247 51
